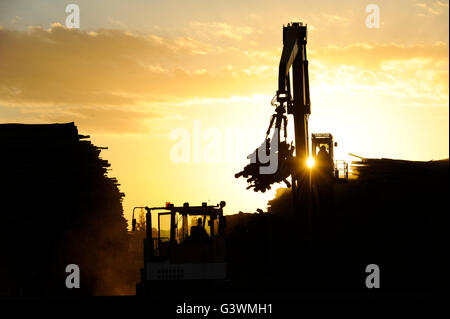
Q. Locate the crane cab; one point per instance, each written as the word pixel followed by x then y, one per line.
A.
pixel 321 142
pixel 187 248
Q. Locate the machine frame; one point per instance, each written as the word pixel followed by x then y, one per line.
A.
pixel 179 261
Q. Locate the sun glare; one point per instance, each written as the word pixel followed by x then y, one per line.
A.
pixel 310 162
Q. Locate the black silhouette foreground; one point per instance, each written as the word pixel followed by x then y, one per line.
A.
pixel 58 207
pixel 394 213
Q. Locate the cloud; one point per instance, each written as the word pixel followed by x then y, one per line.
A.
pixel 116 80
pixel 415 74
pixel 373 55
pixel 111 79
pixel 16 19
pixel 223 30
pixel 107 67
pixel 104 120
pixel 435 8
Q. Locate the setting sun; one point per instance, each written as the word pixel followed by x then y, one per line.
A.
pixel 310 162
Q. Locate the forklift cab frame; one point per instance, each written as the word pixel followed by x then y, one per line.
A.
pixel 179 264
pixel 152 246
pixel 183 264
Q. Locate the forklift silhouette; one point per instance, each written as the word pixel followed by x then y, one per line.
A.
pixel 190 256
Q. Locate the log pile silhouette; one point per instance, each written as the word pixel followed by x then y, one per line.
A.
pixel 394 214
pixel 58 207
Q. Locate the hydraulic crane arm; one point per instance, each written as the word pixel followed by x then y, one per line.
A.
pixel 294 55
pixel 298 104
pixel 290 51
pixel 293 97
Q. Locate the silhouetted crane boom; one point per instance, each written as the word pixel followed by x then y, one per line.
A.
pixel 297 102
pixel 293 97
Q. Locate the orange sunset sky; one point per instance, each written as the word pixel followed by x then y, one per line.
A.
pixel 150 78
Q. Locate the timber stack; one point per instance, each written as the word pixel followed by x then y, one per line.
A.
pixel 58 207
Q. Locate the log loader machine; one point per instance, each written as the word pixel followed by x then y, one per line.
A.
pixel 190 255
pixel 293 98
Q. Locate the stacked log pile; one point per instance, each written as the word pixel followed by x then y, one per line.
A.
pixel 58 207
pixel 394 215
pixel 385 169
